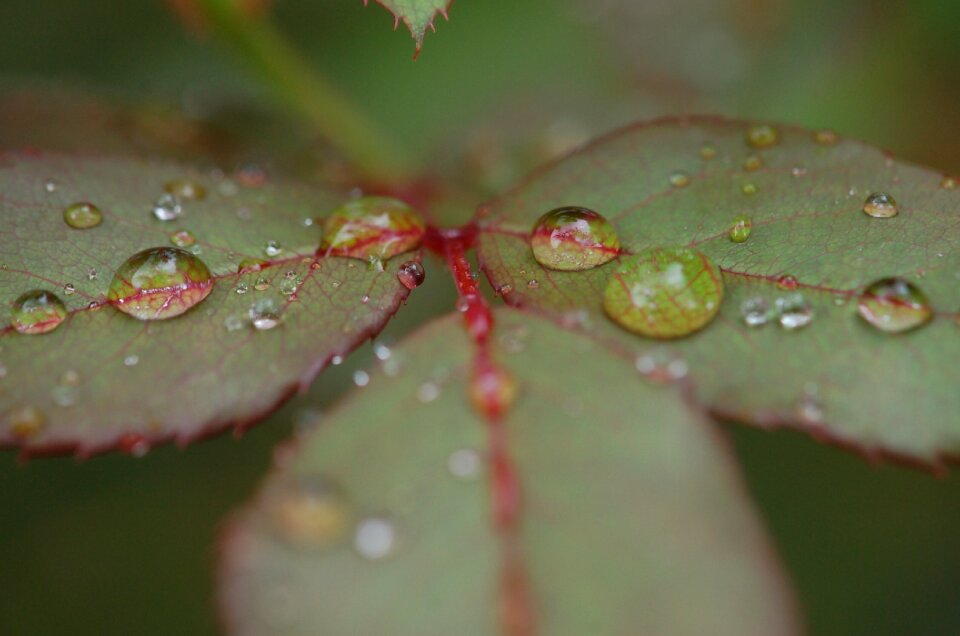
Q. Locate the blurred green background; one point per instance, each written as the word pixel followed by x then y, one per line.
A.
pixel 116 545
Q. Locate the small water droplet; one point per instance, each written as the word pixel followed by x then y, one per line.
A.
pixel 311 512
pixel 950 183
pixel 69 289
pixel 740 229
pixel 134 444
pixel 241 288
pixel 167 208
pixel 798 171
pixel 809 410
pixel 793 311
pixel 82 216
pixel 64 395
pixel 411 274
pixel 182 238
pixel 464 463
pixel 787 282
pixel 233 323
pixel 375 538
pixel 381 351
pixel 573 239
pixel 361 378
pixel 159 283
pixel 336 360
pixel 752 162
pixel 755 311
pixel 365 299
pixel 37 312
pixel 185 189
pixel 50 185
pixel 679 179
pixel 26 421
pixel 749 189
pixel 894 305
pixel 288 287
pixel 372 227
pixel 428 392
pixel 272 248
pixel 664 292
pixel 661 365
pixel 533 283
pixel 504 289
pixel 708 151
pixel 825 137
pixel 264 314
pixel 261 284
pixel 880 205
pixel 762 136
pixel 251 265
pixel 131 360
pixel 92 274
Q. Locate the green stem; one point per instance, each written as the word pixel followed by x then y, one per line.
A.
pixel 324 108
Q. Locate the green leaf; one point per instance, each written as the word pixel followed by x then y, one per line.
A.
pixel 837 378
pixel 632 518
pixel 418 15
pixel 103 378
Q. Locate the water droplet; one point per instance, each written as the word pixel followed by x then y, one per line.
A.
pixel 809 410
pixel 740 229
pixel 375 538
pixel 749 189
pixel 752 162
pixel 950 183
pixel 69 289
pixel 679 179
pixel 131 360
pixel 336 360
pixel 880 205
pixel 493 391
pixel 573 239
pixel 134 444
pixel 288 287
pixel 428 392
pixel 64 395
pixel 755 311
pixel 82 216
pixel 361 378
pixel 793 311
pixel 272 248
pixel 894 305
pixel 464 463
pixel 167 208
pixel 504 289
pixel 182 238
pixel 798 171
pixel 381 351
pixel 664 292
pixel 26 421
pixel 411 274
pixel 261 284
pixel 708 151
pixel 50 185
pixel 533 283
pixel 233 323
pixel 662 365
pixel 92 274
pixel 264 314
pixel 311 512
pixel 185 190
pixel 787 282
pixel 825 137
pixel 37 312
pixel 70 378
pixel 372 227
pixel 241 288
pixel 160 283
pixel 251 265
pixel 762 136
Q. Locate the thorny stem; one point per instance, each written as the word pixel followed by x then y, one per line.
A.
pixel 329 112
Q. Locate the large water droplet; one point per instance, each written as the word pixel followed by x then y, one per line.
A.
pixel 37 312
pixel 740 229
pixel 82 216
pixel 794 311
pixel 167 208
pixel 411 274
pixel 762 136
pixel 272 248
pixel 372 229
pixel 159 283
pixel 664 292
pixel 573 239
pixel 880 205
pixel 185 189
pixel 894 305
pixel 311 512
pixel 264 314
pixel 375 538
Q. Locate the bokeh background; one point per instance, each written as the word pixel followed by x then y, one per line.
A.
pixel 117 545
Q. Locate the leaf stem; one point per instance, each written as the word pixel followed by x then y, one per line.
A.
pixel 329 112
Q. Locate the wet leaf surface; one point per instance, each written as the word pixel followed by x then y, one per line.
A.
pixel 378 521
pixel 809 361
pixel 103 378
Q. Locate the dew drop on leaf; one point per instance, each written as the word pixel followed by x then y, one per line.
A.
pixel 752 162
pixel 69 289
pixel 311 512
pixel 793 311
pixel 264 314
pixel 375 538
pixel 825 137
pixel 464 463
pixel 182 238
pixel 740 229
pixel 50 185
pixel 787 282
pixel 411 274
pixel 664 292
pixel 233 323
pixel 428 392
pixel 185 189
pixel 167 208
pixel 749 189
pixel 573 239
pixel 533 283
pixel 272 248
pixel 251 265
pixel 661 365
pixel 37 312
pixel 361 378
pixel 679 179
pixel 493 391
pixel 762 136
pixel 372 228
pixel 894 305
pixel 755 311
pixel 809 409
pixel 261 284
pixel 82 216
pixel 131 360
pixel 950 183
pixel 880 205
pixel 159 283
pixel 26 421
pixel 708 151
pixel 134 444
